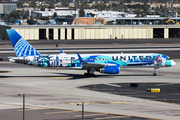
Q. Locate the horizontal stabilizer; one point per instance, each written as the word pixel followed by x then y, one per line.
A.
pixel 61 50
pixel 18 60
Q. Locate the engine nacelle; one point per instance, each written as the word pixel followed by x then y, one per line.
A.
pixel 110 69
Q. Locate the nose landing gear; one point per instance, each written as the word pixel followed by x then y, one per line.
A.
pixel 155 71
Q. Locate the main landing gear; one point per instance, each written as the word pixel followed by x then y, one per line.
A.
pixel 90 72
pixel 155 71
pixel 89 75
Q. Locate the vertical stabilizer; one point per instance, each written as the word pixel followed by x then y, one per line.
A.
pixel 21 46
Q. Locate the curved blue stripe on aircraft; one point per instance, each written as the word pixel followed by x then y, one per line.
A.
pixel 13 36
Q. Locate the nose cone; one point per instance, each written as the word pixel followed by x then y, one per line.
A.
pixel 173 63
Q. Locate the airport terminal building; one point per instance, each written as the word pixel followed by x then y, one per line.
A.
pixel 69 32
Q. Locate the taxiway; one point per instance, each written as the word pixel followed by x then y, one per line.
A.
pixel 59 91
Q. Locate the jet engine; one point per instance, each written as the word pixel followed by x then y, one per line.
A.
pixel 110 69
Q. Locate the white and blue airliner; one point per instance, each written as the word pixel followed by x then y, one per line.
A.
pixel 103 63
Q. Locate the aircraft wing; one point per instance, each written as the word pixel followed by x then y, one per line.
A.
pixel 92 64
pixel 137 63
pixel 88 64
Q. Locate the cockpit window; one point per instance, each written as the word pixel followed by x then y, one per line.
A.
pixel 168 58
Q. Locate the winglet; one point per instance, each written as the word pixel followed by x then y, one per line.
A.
pixel 61 50
pixel 80 58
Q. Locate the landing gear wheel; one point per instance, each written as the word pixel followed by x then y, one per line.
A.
pixel 85 74
pixel 154 74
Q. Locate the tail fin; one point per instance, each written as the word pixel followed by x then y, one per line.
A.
pixel 21 46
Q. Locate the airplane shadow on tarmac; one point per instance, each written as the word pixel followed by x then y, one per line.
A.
pixel 81 76
pixel 30 76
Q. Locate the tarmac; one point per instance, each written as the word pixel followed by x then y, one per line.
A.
pixel 54 94
pixel 51 94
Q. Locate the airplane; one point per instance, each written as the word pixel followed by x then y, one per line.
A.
pixel 103 63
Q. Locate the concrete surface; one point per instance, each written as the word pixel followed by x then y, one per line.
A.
pixel 50 89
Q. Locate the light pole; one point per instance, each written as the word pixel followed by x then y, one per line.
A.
pixel 154 15
pixel 23 105
pixel 82 109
